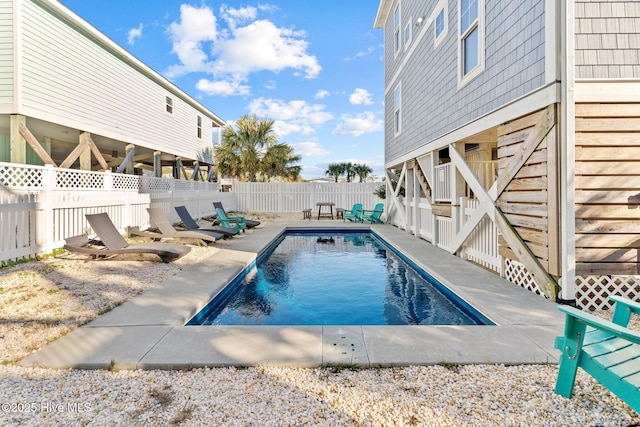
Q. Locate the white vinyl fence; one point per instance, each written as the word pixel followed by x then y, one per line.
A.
pixel 296 196
pixel 40 206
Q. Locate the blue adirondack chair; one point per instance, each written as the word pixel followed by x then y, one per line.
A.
pixel 608 351
pixel 236 222
pixel 374 215
pixel 354 214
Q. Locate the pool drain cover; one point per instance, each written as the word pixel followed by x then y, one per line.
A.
pixel 344 349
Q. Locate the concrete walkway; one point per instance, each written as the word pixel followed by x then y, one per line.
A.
pixel 148 331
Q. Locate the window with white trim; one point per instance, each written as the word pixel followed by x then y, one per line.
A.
pixel 168 104
pixel 439 23
pixel 440 27
pixel 396 30
pixel 407 33
pixel 397 110
pixel 199 127
pixel 471 47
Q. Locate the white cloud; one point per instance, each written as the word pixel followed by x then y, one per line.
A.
pixel 296 110
pixel 234 17
pixel 267 7
pixel 309 149
pixel 222 87
pixel 358 125
pixel 360 97
pixel 282 128
pixel 245 46
pixel 263 46
pixel 271 85
pixel 134 34
pixel 196 26
pixel 321 94
pixel 362 53
pixel 295 116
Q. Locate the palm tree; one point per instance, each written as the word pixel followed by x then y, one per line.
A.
pixel 228 161
pixel 251 149
pixel 362 171
pixel 349 170
pixel 335 170
pixel 278 161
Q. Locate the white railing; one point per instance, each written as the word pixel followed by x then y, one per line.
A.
pixel 442 185
pixel 444 230
pixel 485 170
pixel 40 206
pixel 481 246
pixel 426 220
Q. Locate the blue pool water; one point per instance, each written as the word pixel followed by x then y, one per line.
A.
pixel 335 278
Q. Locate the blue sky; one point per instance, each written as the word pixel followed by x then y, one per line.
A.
pixel 315 67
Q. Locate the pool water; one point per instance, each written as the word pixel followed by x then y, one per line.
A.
pixel 335 278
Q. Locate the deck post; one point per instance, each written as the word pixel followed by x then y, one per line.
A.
pixel 568 156
pixel 416 199
pixel 157 164
pixel 129 166
pixel 18 145
pixel 409 200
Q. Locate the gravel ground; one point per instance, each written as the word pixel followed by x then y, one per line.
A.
pixel 43 300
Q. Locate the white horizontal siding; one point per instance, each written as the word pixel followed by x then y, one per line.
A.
pixel 70 79
pixel 6 52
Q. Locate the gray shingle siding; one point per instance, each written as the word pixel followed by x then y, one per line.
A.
pixel 607 39
pixel 432 103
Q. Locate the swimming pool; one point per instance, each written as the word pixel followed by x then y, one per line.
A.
pixel 335 278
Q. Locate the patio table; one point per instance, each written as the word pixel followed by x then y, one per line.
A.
pixel 321 205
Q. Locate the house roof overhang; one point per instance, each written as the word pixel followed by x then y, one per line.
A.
pixel 383 13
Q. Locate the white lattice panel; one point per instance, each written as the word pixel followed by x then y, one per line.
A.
pixel 159 184
pixel 76 179
pixel 125 182
pixel 593 291
pixel 17 176
pixel 515 272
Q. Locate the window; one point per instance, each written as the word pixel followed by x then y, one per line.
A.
pixel 397 110
pixel 440 26
pixel 407 34
pixel 396 30
pixel 199 127
pixel 169 105
pixel 471 38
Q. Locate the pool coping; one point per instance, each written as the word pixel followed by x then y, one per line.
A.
pixel 148 332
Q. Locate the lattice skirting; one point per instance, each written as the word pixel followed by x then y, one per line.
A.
pixel 592 291
pixel 515 272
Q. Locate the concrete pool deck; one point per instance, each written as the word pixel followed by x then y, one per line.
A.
pixel 148 332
